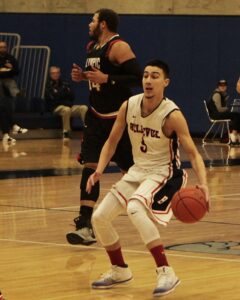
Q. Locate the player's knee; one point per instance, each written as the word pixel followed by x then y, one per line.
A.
pixel 99 218
pixel 136 212
pixel 138 215
pixel 96 217
pixel 94 194
pixel 135 207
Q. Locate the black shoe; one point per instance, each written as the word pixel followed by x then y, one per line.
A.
pixel 83 234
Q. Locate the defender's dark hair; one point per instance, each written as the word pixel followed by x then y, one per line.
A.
pixel 160 64
pixel 110 17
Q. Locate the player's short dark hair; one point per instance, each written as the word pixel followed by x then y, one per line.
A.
pixel 160 64
pixel 110 17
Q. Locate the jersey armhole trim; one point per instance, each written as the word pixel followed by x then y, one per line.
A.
pixel 164 120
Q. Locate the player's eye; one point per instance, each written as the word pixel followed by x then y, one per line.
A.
pixel 145 75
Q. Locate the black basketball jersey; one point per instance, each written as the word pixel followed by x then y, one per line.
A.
pixel 106 97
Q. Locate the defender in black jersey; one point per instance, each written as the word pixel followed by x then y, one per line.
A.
pixel 111 70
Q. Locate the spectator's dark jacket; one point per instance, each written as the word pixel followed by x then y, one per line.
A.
pixel 8 58
pixel 213 110
pixel 57 93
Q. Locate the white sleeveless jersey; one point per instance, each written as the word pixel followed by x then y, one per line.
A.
pixel 153 152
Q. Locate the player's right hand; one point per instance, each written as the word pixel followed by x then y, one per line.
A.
pixel 91 181
pixel 76 73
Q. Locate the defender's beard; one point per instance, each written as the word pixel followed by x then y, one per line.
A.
pixel 96 33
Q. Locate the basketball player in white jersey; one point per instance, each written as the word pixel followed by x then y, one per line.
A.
pixel 155 126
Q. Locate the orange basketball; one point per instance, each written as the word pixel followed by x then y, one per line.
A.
pixel 189 205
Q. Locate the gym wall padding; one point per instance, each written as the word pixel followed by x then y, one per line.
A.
pixel 199 50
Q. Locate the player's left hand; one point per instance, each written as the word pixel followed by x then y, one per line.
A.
pixel 204 189
pixel 96 76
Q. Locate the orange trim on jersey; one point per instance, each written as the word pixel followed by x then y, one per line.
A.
pixel 111 115
pixel 110 46
pixel 88 47
pixel 121 195
pixel 158 221
pixel 140 196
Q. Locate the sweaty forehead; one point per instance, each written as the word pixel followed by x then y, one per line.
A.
pixel 152 69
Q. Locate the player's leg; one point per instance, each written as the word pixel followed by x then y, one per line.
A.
pixel 65 113
pixel 90 151
pixel 141 216
pixel 166 278
pixel 103 216
pixel 83 234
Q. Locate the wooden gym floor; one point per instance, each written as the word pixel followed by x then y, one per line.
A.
pixel 40 197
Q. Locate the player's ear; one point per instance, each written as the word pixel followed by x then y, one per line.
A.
pixel 166 82
pixel 103 24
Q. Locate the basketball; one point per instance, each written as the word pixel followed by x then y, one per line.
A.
pixel 189 205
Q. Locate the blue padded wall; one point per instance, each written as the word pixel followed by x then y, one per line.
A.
pixel 199 50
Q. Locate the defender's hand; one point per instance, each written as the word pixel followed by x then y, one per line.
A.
pixel 96 76
pixel 77 73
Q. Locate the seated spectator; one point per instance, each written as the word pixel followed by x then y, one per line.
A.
pixel 59 99
pixel 8 86
pixel 218 110
pixel 8 70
